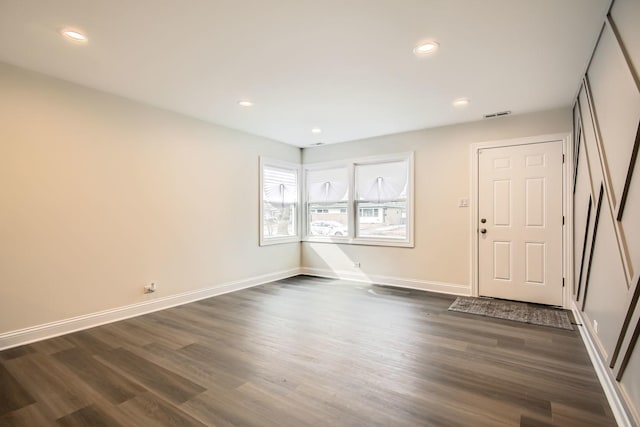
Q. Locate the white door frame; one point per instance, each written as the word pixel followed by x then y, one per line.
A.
pixel 567 206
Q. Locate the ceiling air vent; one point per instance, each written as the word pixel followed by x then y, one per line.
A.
pixel 500 114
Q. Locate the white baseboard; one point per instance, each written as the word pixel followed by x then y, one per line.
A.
pixel 424 285
pixel 61 327
pixel 609 384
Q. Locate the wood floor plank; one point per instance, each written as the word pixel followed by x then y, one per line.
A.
pixel 157 378
pixel 88 416
pixel 117 335
pixel 57 394
pixel 13 353
pixel 196 370
pixel 526 421
pixel 307 351
pixel 27 416
pixel 91 342
pixel 172 338
pixel 152 411
pixel 12 395
pixel 52 345
pixel 239 408
pixel 110 384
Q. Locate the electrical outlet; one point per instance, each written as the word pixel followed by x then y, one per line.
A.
pixel 150 288
pixel 463 203
pixel 595 326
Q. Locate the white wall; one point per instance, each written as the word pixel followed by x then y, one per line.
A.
pixel 100 195
pixel 607 115
pixel 441 257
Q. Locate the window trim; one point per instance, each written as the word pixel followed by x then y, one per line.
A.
pixel 305 203
pixel 267 162
pixel 352 203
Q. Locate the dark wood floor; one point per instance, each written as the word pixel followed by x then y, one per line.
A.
pixel 306 351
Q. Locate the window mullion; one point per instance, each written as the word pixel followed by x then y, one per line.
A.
pixel 352 209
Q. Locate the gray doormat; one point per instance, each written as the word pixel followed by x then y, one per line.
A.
pixel 511 310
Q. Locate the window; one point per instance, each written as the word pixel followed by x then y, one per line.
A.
pixel 382 200
pixel 364 201
pixel 327 200
pixel 279 202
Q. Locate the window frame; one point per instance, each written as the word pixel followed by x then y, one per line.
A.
pixel 281 164
pixel 305 203
pixel 352 204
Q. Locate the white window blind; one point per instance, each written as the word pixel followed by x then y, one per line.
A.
pixel 382 182
pixel 280 186
pixel 328 185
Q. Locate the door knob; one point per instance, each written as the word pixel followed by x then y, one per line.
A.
pixel 483 220
pixel 483 230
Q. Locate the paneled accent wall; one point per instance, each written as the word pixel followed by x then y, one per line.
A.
pixel 607 197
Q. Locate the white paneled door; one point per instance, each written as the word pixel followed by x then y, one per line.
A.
pixel 520 222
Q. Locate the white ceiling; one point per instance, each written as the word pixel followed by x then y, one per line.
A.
pixel 345 66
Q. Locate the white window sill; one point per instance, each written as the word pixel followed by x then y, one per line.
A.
pixel 279 240
pixel 360 241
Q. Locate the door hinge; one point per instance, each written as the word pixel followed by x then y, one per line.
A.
pixel 563 282
pixel 562 219
pixel 563 158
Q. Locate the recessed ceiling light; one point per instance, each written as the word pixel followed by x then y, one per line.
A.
pixel 73 35
pixel 245 103
pixel 426 47
pixel 461 102
pixel 316 130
